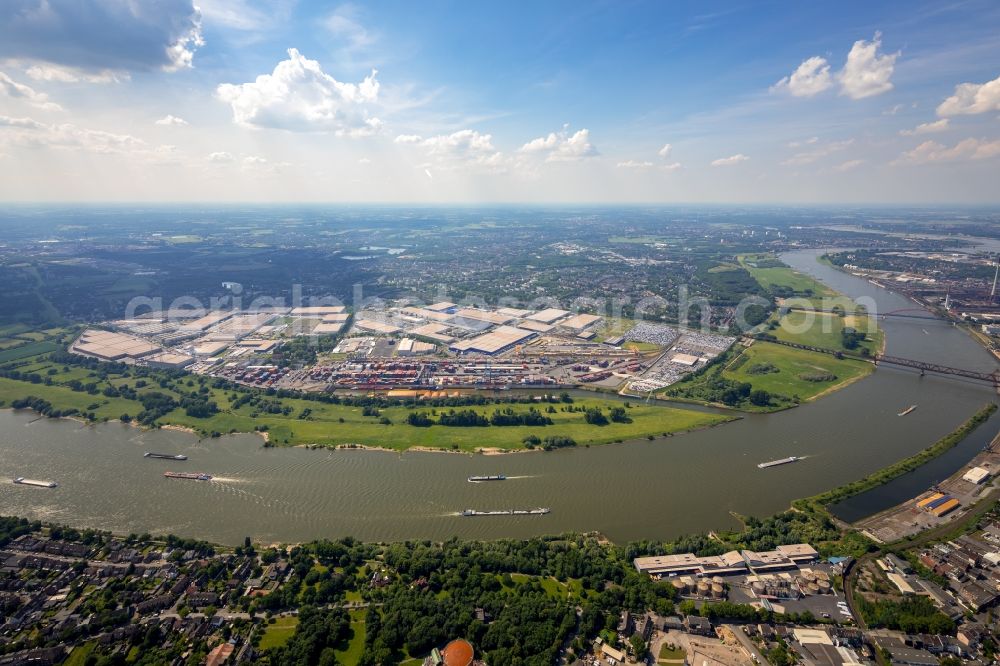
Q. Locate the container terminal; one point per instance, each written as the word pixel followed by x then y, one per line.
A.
pixel 33 482
pixel 775 463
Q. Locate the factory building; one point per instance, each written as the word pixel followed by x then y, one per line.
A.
pixel 549 315
pixel 497 341
pixel 977 475
pixel 733 562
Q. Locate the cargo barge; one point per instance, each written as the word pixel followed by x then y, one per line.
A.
pixel 164 456
pixel 907 410
pixel 775 463
pixel 194 476
pixel 541 511
pixel 492 477
pixel 21 481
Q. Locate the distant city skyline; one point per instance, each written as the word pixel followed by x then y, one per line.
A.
pixel 476 103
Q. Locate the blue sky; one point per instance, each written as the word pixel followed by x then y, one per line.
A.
pixel 230 100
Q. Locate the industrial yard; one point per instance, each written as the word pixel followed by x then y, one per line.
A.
pixel 438 347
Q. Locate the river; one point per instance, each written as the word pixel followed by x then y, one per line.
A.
pixel 635 490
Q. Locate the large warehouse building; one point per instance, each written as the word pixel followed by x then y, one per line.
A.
pixel 497 341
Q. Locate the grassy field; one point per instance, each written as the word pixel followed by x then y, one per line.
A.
pixel 277 634
pixel 668 654
pixel 792 365
pixel 790 376
pixel 820 329
pixel 78 657
pixel 351 654
pixel 334 424
pixel 782 280
pixel 554 588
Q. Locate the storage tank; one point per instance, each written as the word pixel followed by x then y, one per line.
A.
pixel 812 588
pixel 704 588
pixel 758 587
pixel 822 575
pixel 824 586
pixel 680 586
pixel 718 591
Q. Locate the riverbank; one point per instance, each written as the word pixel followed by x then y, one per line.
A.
pixel 819 504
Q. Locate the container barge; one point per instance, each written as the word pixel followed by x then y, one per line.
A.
pixel 775 463
pixel 164 456
pixel 541 511
pixel 34 482
pixel 907 410
pixel 492 477
pixel 194 476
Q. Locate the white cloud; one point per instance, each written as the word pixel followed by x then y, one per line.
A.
pixel 632 164
pixel 866 73
pixel 893 110
pixel 849 165
pixel 236 14
pixel 968 149
pixel 927 128
pixel 57 74
pixel 96 35
pixel 461 148
pixel 805 142
pixel 817 153
pixel 171 120
pixel 730 161
pixel 300 96
pixel 221 157
pixel 971 98
pixel 665 151
pixel 364 160
pixel 809 78
pixel 673 166
pixel 345 27
pixel 561 147
pixel 11 88
pixel 408 138
pixel 29 133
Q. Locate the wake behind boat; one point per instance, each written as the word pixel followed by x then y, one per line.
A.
pixel 907 410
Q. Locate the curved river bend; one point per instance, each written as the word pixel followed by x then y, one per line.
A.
pixel 635 490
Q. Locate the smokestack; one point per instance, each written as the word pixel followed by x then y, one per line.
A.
pixel 993 292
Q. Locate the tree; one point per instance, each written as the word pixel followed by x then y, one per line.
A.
pixel 638 646
pixel 760 397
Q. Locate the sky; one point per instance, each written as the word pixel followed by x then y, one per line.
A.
pixel 500 102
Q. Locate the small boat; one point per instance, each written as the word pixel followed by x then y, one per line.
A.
pixel 21 481
pixel 775 463
pixel 194 476
pixel 164 456
pixel 492 477
pixel 907 410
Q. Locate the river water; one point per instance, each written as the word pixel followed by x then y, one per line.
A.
pixel 635 490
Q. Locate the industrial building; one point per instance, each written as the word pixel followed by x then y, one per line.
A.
pixel 375 327
pixel 411 347
pixel 977 475
pixel 317 310
pixel 549 315
pixel 109 346
pixel 499 340
pixel 734 562
pixel 578 323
